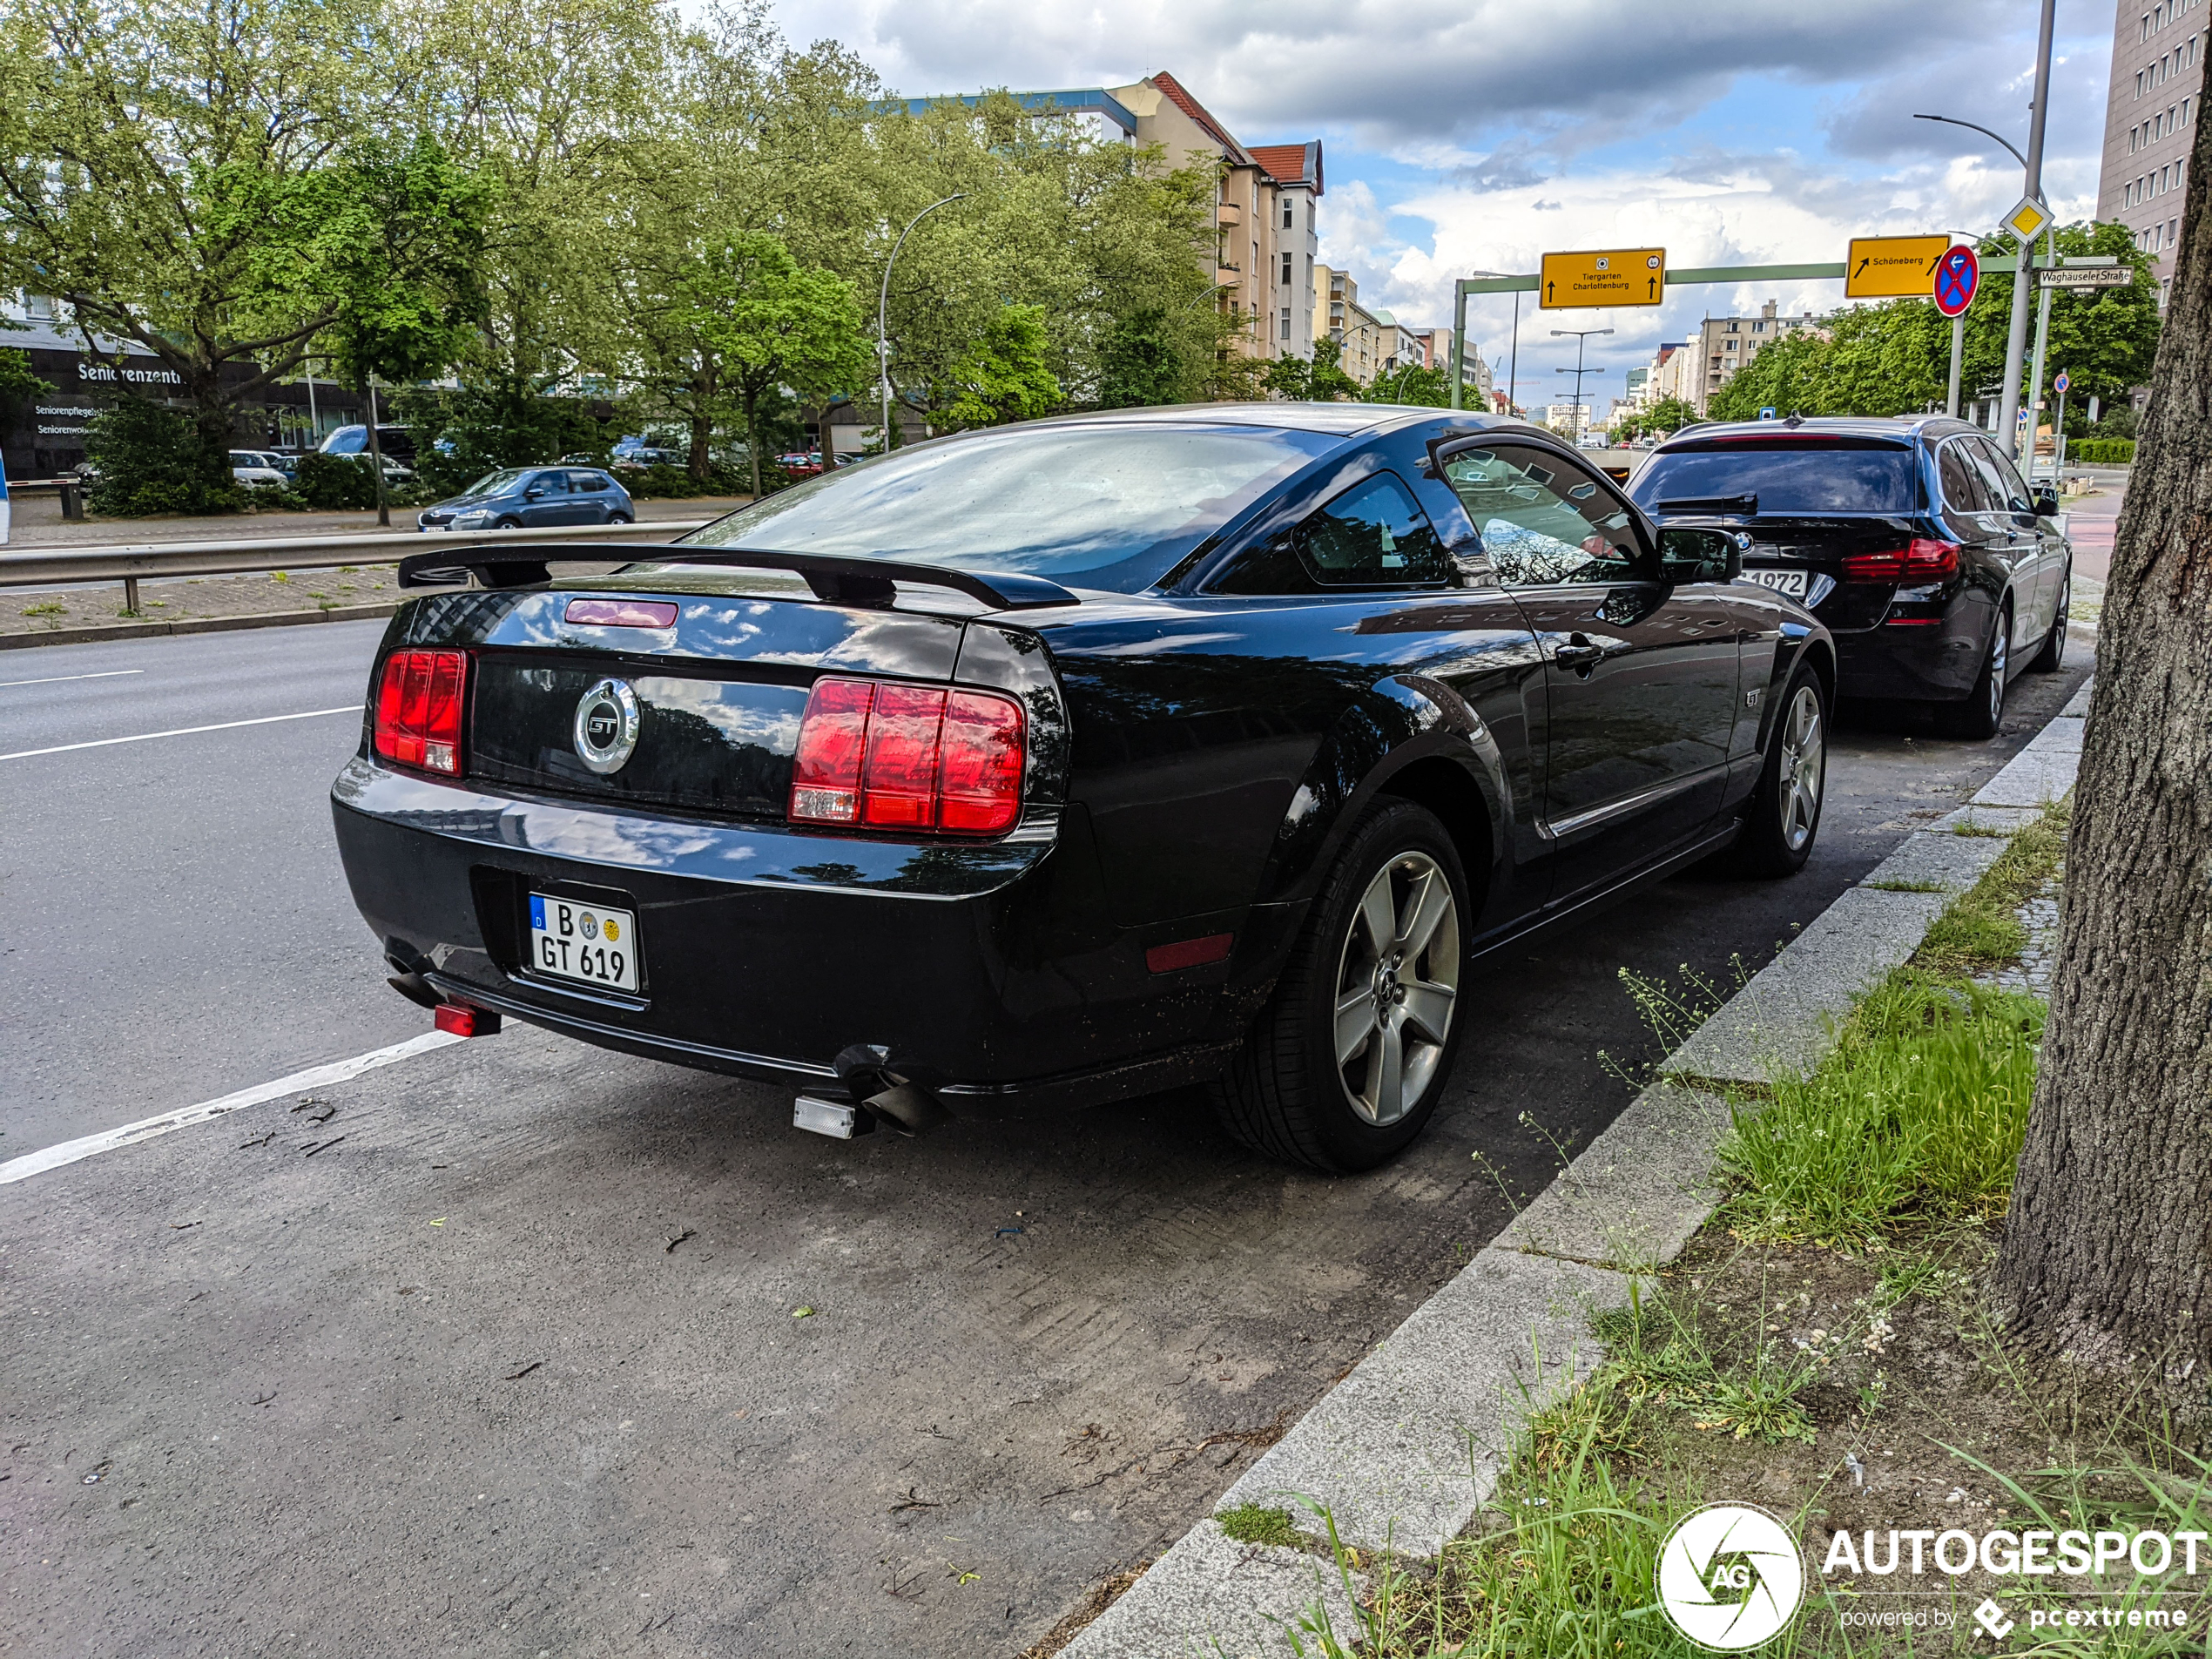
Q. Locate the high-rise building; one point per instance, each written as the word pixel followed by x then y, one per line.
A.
pixel 1725 344
pixel 2156 95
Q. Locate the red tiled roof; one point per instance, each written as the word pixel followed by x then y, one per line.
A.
pixel 1195 111
pixel 1288 163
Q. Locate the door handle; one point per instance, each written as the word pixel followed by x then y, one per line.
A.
pixel 1578 654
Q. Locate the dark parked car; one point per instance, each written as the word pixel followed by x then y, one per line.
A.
pixel 1071 760
pixel 394 443
pixel 528 497
pixel 1941 574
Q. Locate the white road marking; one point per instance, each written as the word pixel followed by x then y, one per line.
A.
pixel 106 674
pixel 299 1083
pixel 181 732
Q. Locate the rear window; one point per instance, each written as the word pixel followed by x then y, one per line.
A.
pixel 1114 506
pixel 1786 477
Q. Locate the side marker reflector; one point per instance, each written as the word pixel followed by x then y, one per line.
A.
pixel 1189 953
pixel 459 1020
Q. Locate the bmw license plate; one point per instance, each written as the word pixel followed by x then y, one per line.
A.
pixel 1796 583
pixel 586 942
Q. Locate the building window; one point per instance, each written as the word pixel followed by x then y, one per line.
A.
pixel 1286 270
pixel 1309 274
pixel 1286 322
pixel 2138 82
pixel 1289 207
pixel 1760 327
pixel 1730 345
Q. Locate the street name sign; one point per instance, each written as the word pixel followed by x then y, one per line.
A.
pixel 1615 276
pixel 2028 219
pixel 1892 267
pixel 2090 276
pixel 1957 274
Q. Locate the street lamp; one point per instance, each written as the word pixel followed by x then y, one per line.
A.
pixel 883 312
pixel 1579 336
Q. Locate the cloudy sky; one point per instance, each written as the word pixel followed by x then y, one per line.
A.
pixel 1464 135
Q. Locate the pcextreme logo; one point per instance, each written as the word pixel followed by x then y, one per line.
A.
pixel 1730 1576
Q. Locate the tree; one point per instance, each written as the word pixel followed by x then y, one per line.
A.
pixel 1141 362
pixel 2106 1255
pixel 773 324
pixel 1004 377
pixel 18 386
pixel 1412 383
pixel 148 153
pixel 1319 379
pixel 1668 415
pixel 397 235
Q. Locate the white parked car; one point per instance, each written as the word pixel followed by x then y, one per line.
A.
pixel 253 472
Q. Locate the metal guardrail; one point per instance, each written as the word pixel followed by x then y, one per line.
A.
pixel 131 563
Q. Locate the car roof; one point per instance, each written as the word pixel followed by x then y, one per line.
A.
pixel 1901 429
pixel 1335 419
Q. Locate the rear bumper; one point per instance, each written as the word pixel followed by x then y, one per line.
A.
pixel 991 974
pixel 1936 663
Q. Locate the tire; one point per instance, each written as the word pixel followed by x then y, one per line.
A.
pixel 1982 713
pixel 2052 651
pixel 1783 819
pixel 1294 1091
pixel 620 518
pixel 508 523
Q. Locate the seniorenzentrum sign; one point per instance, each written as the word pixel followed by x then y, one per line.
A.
pixel 1730 1576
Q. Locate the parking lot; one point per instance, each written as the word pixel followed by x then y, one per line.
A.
pixel 518 1347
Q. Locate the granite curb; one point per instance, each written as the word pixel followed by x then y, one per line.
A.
pixel 192 625
pixel 1408 1447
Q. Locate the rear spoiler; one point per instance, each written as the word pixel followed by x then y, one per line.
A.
pixel 866 583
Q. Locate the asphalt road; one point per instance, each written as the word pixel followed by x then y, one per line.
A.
pixel 507 1355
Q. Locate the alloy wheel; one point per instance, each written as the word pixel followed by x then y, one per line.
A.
pixel 1804 751
pixel 1999 648
pixel 1397 980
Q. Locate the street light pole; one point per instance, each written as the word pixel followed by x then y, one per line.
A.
pixel 1459 333
pixel 2016 337
pixel 1581 335
pixel 883 312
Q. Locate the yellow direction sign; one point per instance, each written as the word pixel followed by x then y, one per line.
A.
pixel 1892 267
pixel 1614 276
pixel 2027 221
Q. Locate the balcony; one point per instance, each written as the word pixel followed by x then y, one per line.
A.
pixel 1228 213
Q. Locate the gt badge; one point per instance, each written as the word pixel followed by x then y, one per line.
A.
pixel 606 726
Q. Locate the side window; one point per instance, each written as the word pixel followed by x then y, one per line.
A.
pixel 1542 522
pixel 1962 486
pixel 585 483
pixel 1374 534
pixel 2007 494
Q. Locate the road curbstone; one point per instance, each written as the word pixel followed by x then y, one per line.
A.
pixel 1408 1447
pixel 107 631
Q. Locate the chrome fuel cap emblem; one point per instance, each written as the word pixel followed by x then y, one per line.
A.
pixel 606 726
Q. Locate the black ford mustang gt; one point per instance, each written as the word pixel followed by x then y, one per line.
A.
pixel 1942 575
pixel 1063 762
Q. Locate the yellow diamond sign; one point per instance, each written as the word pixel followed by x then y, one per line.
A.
pixel 2027 221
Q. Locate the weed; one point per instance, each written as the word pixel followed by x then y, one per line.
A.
pixel 1251 1523
pixel 1672 1013
pixel 1980 831
pixel 1981 928
pixel 49 608
pixel 1906 886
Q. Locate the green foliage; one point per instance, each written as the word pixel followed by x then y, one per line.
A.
pixel 1980 929
pixel 1430 388
pixel 1005 377
pixel 334 483
pixel 1668 415
pixel 494 424
pixel 153 460
pixel 2101 452
pixel 1249 1523
pixel 1142 362
pixel 1319 379
pixel 19 388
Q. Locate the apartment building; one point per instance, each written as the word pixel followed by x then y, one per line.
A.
pixel 1266 214
pixel 1725 344
pixel 2156 94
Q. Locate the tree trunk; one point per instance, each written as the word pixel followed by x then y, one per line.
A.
pixel 752 440
pixel 2108 1250
pixel 700 462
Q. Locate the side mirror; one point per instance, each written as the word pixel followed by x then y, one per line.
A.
pixel 2045 501
pixel 532 495
pixel 1687 555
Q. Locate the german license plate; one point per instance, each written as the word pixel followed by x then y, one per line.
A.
pixel 586 942
pixel 1793 583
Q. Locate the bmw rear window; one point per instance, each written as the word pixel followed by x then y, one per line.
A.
pixel 1787 477
pixel 1114 506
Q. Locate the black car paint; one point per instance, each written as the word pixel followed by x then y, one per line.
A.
pixel 2011 564
pixel 1197 758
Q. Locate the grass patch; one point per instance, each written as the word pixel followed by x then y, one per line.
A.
pixel 1906 886
pixel 1251 1523
pixel 1981 928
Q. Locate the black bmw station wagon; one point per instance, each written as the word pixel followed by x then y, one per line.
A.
pixel 1063 762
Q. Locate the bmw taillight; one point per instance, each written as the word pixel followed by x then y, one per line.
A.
pixel 1921 560
pixel 878 754
pixel 418 709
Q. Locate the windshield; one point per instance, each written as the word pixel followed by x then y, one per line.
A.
pixel 1786 477
pixel 493 483
pixel 1110 506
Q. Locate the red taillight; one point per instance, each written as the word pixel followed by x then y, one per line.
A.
pixel 1923 560
pixel 418 709
pixel 902 756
